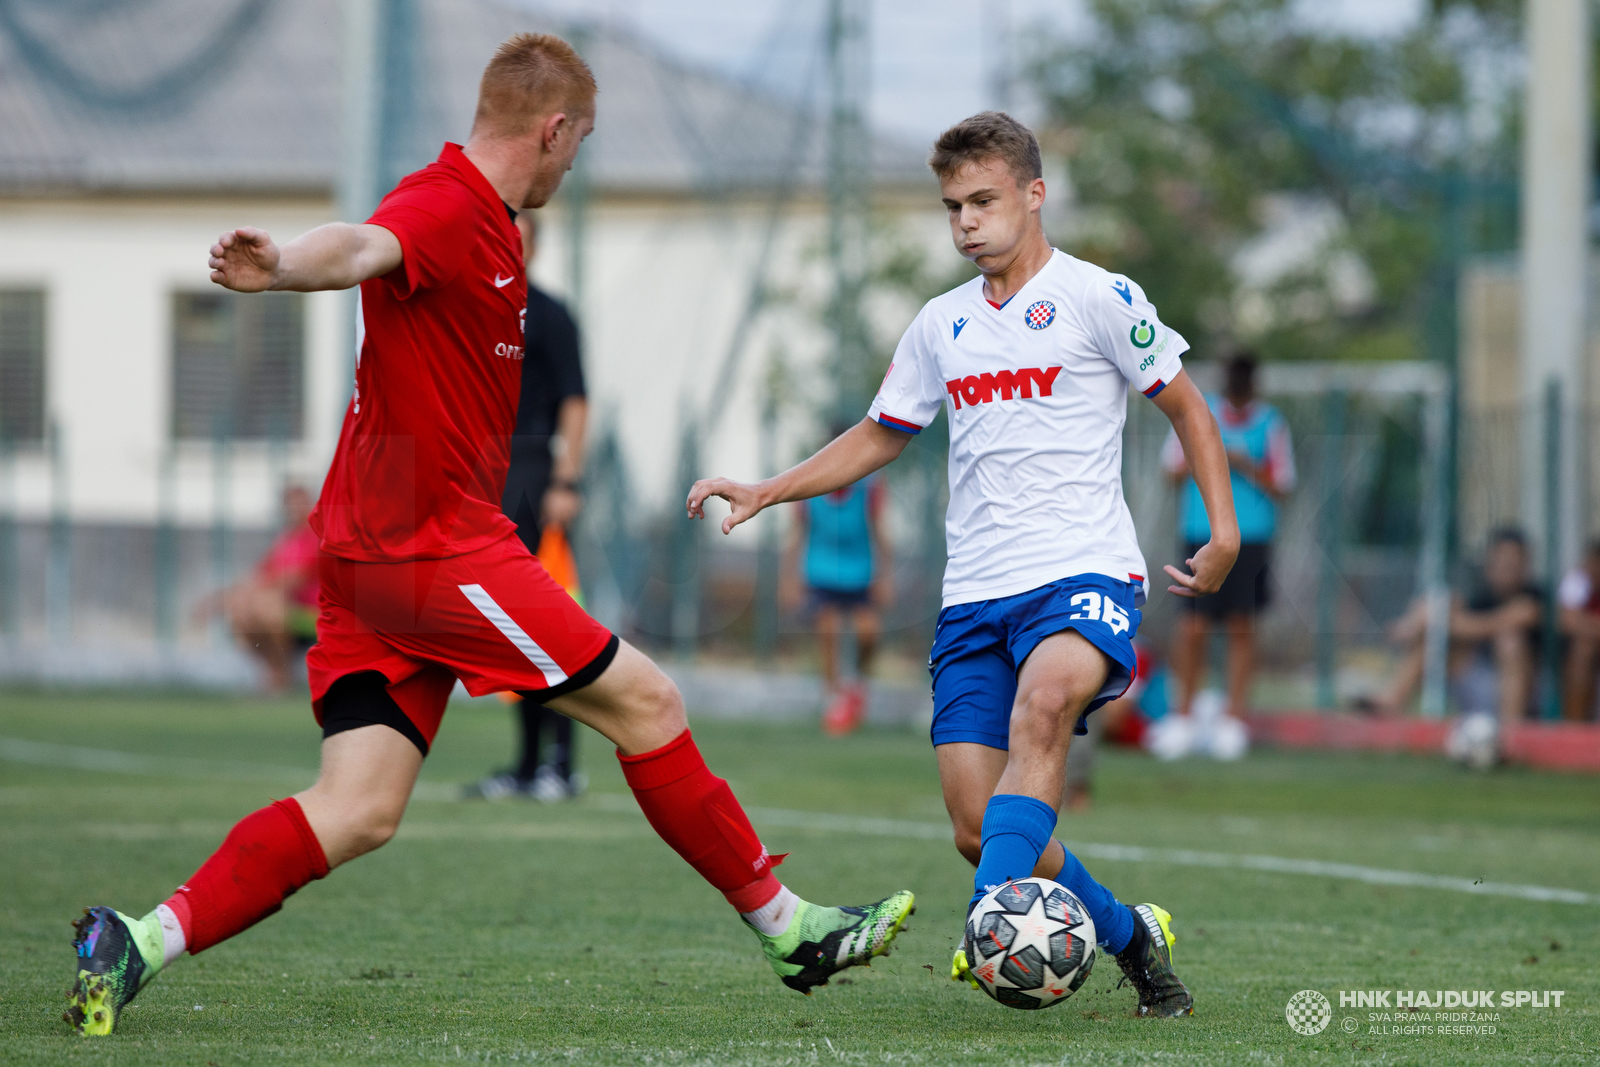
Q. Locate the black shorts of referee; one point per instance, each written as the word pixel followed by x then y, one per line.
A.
pixel 1245 591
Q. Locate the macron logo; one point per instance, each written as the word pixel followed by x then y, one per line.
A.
pixel 978 389
pixel 1122 289
pixel 958 324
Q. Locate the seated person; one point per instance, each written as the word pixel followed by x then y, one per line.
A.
pixel 273 610
pixel 1494 637
pixel 1578 600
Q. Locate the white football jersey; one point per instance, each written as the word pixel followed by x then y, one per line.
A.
pixel 1036 394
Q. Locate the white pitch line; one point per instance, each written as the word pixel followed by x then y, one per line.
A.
pixel 42 753
pixel 76 757
pixel 1183 857
pixel 1179 857
pixel 17 750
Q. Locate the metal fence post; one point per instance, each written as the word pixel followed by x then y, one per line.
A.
pixel 767 553
pixel 10 565
pixel 1551 668
pixel 166 547
pixel 221 517
pixel 58 574
pixel 685 541
pixel 1328 581
pixel 1436 497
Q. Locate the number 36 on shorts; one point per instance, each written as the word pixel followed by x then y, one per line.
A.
pixel 1092 607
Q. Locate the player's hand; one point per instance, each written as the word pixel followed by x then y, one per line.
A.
pixel 744 499
pixel 244 260
pixel 1210 566
pixel 883 592
pixel 1247 467
pixel 561 505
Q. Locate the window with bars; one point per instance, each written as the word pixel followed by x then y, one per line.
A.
pixel 22 417
pixel 238 365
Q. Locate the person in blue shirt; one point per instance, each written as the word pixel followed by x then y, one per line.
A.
pixel 1261 456
pixel 838 550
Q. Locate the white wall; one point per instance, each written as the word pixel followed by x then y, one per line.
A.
pixel 109 268
pixel 666 286
pixel 667 283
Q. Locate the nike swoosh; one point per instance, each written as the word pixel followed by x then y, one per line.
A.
pixel 501 283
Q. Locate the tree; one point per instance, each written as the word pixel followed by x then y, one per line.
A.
pixel 1192 129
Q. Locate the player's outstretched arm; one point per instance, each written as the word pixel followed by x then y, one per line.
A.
pixel 1191 419
pixel 336 256
pixel 848 458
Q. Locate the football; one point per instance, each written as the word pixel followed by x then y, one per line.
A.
pixel 1030 943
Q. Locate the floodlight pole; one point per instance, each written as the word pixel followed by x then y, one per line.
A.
pixel 849 195
pixel 363 119
pixel 575 191
pixel 1002 78
pixel 1555 261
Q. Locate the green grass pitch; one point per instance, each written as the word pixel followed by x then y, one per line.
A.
pixel 520 933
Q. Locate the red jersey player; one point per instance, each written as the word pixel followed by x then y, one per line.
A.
pixel 423 578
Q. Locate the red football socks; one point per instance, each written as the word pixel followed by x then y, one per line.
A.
pixel 266 857
pixel 696 813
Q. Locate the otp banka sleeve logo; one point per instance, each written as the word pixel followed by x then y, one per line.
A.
pixel 505 351
pixel 977 389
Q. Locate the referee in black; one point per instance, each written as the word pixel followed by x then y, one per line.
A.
pixel 542 487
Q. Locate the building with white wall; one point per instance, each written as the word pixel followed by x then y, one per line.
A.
pixel 135 396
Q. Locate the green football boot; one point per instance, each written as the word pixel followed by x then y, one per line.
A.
pixel 961 971
pixel 820 942
pixel 1147 964
pixel 117 957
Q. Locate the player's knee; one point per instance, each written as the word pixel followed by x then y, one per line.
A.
pixel 1048 707
pixel 373 827
pixel 657 698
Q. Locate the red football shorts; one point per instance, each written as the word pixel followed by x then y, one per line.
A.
pixel 492 618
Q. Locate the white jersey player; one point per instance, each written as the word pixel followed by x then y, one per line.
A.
pixel 1031 363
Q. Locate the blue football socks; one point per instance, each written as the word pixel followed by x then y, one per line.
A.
pixel 1113 922
pixel 1016 831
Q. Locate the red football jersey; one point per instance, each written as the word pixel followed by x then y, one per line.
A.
pixel 422 457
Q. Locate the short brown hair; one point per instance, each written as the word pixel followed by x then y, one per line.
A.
pixel 532 74
pixel 988 135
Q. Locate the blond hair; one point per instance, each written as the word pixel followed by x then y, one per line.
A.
pixel 532 74
pixel 988 135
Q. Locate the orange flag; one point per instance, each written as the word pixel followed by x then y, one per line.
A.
pixel 555 553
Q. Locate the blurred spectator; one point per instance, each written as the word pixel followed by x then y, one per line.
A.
pixel 273 611
pixel 1494 638
pixel 1262 457
pixel 1578 598
pixel 839 551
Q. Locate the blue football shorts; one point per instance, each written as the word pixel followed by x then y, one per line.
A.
pixel 978 648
